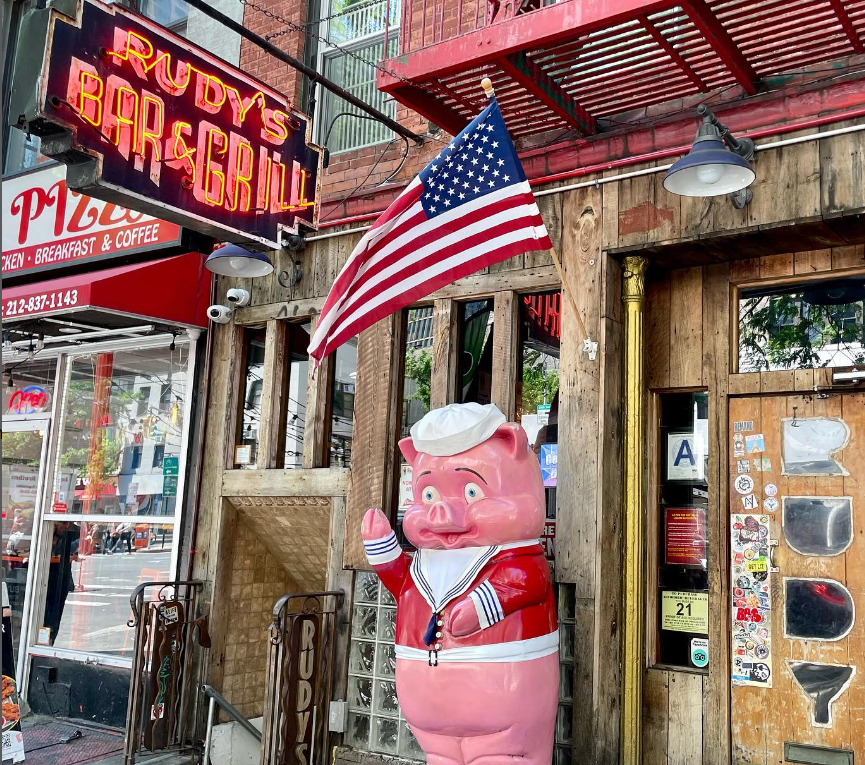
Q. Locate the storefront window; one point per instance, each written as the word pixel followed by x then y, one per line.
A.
pixel 120 410
pixel 342 404
pixel 298 336
pixel 682 601
pixel 799 326
pixel 246 451
pixel 93 570
pixel 538 390
pixel 416 382
pixel 474 370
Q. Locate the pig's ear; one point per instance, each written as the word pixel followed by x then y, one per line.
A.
pixel 515 438
pixel 406 446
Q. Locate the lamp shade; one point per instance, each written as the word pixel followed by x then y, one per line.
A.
pixel 232 260
pixel 710 169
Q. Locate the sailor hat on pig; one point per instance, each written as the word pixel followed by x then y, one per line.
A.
pixel 455 428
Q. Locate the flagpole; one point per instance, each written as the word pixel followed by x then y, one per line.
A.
pixel 487 85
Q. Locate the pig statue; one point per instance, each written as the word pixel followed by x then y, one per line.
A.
pixel 477 666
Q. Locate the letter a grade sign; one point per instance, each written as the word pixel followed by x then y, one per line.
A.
pixel 686 457
pixel 145 119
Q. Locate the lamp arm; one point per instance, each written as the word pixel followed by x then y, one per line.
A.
pixel 744 147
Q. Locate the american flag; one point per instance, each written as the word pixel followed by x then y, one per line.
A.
pixel 469 208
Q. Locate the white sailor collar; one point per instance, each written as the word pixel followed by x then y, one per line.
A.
pixel 441 575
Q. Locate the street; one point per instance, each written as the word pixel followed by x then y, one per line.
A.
pixel 96 614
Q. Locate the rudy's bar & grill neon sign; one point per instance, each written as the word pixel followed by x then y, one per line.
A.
pixel 172 130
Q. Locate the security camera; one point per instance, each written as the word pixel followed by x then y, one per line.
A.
pixel 220 314
pixel 237 297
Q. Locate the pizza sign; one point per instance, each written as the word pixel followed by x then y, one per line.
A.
pixel 148 120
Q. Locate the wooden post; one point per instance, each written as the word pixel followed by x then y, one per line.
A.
pixel 633 294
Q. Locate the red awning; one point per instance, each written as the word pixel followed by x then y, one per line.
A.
pixel 172 290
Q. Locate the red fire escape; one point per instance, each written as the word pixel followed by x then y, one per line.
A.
pixel 566 65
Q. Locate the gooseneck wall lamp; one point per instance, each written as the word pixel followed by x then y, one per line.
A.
pixel 232 260
pixel 717 164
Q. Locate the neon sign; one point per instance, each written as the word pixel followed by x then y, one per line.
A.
pixel 28 400
pixel 165 128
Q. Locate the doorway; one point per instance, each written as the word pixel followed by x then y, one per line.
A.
pixel 797 558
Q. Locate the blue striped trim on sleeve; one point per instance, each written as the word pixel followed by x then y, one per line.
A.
pixel 487 604
pixel 384 550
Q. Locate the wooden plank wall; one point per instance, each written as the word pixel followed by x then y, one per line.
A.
pixel 686 324
pixel 688 334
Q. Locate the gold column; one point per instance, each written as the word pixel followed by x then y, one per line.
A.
pixel 633 293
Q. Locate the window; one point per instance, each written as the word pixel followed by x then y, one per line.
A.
pixel 375 723
pixel 358 27
pixel 101 563
pixel 172 14
pixel 105 457
pixel 538 390
pixel 246 451
pixel 802 325
pixel 342 404
pixel 682 597
pixel 298 336
pixel 416 382
pixel 475 367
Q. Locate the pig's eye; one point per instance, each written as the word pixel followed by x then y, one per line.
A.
pixel 429 495
pixel 473 492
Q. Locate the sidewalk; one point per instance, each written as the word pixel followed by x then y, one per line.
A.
pixel 43 746
pixel 97 745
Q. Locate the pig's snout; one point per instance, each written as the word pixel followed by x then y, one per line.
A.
pixel 444 517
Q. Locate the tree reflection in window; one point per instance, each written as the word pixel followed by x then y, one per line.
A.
pixel 818 324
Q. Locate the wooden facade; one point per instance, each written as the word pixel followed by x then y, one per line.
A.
pixel 805 219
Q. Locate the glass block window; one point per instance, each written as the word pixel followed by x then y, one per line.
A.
pixel 565 718
pixel 374 720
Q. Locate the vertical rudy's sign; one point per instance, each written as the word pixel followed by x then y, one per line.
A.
pixel 145 119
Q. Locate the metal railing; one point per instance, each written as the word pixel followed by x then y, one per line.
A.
pixel 426 22
pixel 299 681
pixel 217 698
pixel 171 640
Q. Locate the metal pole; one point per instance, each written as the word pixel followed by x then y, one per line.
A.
pixel 211 713
pixel 207 10
pixel 633 295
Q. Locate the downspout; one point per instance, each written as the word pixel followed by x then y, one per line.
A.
pixel 633 595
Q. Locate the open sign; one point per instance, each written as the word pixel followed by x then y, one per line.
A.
pixel 28 400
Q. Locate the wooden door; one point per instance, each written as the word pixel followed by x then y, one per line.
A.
pixel 797 566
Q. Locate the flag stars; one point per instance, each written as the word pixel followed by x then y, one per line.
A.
pixel 489 128
pixel 475 160
pixel 489 155
pixel 496 173
pixel 476 189
pixel 500 162
pixel 451 192
pixel 495 144
pixel 471 173
pixel 436 198
pixel 486 168
pixel 491 184
pixel 447 203
pixel 462 196
pixel 485 138
pixel 506 178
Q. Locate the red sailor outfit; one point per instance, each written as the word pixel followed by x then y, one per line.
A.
pixel 508 584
